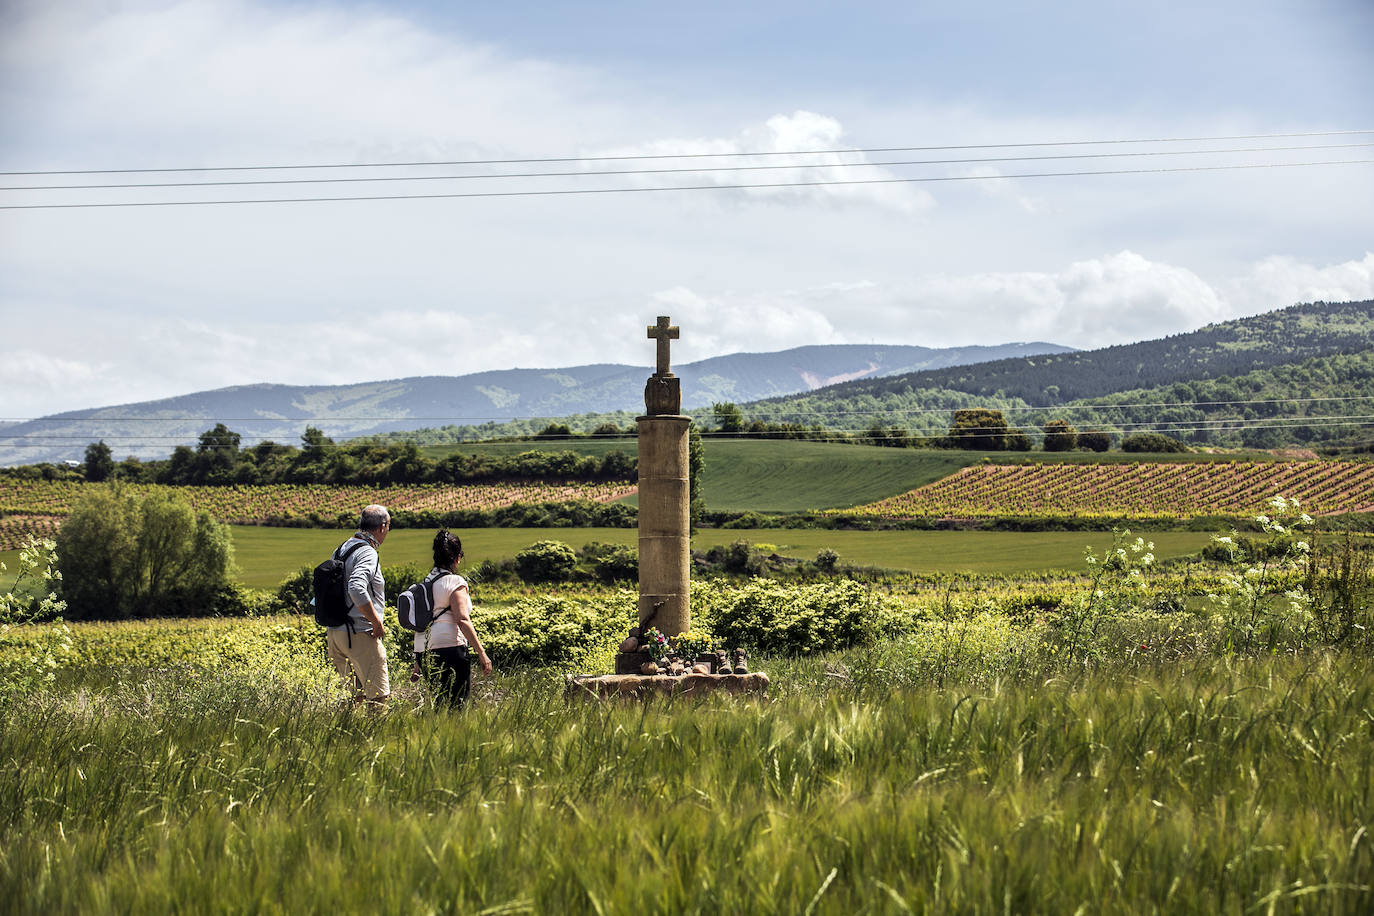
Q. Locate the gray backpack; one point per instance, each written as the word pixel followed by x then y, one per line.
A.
pixel 415 605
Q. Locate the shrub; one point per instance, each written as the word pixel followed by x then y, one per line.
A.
pixel 1060 436
pixel 612 562
pixel 796 620
pixel 1151 442
pixel 546 561
pixel 123 556
pixel 30 654
pixel 552 630
pixel 1094 440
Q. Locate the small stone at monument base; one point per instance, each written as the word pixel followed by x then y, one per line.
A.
pixel 701 668
pixel 648 668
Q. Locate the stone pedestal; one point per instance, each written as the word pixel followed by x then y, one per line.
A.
pixel 635 686
pixel 664 524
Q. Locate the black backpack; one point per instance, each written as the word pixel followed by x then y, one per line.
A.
pixel 415 605
pixel 331 589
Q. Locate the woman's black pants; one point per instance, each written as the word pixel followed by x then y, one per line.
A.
pixel 449 672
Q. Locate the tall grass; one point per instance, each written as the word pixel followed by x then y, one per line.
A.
pixel 1223 785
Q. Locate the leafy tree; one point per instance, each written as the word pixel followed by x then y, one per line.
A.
pixel 696 464
pixel 1151 442
pixel 554 431
pixel 99 462
pixel 217 453
pixel 979 429
pixel 123 557
pixel 728 417
pixel 1060 436
pixel 1094 440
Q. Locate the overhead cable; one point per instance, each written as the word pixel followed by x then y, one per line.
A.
pixel 563 192
pixel 259 182
pixel 661 156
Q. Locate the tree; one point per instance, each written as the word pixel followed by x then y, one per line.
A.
pixel 1151 442
pixel 217 452
pixel 728 417
pixel 99 462
pixel 124 557
pixel 979 429
pixel 696 464
pixel 1060 436
pixel 1095 440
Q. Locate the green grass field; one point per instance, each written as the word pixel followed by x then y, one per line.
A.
pixel 266 555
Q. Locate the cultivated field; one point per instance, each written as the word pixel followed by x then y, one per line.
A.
pixel 1141 490
pixel 27 499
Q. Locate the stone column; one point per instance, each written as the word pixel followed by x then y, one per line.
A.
pixel 664 524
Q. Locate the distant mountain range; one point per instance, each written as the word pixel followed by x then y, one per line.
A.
pixel 1299 376
pixel 150 429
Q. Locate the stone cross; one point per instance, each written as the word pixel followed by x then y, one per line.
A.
pixel 663 333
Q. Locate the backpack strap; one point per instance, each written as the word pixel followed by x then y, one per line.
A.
pixel 429 587
pixel 352 548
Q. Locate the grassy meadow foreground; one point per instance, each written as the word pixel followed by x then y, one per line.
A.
pixel 1231 785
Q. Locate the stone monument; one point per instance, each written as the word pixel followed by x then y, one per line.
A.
pixel 664 498
pixel 665 557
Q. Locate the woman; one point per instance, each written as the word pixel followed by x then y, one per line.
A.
pixel 443 652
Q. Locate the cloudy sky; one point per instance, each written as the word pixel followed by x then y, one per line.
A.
pixel 105 305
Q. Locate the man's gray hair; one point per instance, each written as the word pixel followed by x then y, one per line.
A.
pixel 374 517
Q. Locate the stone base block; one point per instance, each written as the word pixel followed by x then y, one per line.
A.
pixel 598 686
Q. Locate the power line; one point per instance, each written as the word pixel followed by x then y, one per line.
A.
pixel 257 182
pixel 709 187
pixel 661 156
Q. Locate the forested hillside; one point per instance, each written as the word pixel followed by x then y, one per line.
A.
pixel 1299 376
pixel 1277 338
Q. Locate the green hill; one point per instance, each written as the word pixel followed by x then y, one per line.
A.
pixel 1299 376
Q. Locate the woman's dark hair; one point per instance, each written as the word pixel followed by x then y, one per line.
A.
pixel 447 548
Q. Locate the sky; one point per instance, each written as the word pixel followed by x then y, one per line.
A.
pixel 109 305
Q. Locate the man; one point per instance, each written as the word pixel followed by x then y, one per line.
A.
pixel 357 649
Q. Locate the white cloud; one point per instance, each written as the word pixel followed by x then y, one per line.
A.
pixel 44 379
pixel 1286 280
pixel 784 140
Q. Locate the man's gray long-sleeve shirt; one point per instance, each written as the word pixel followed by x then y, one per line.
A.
pixel 365 583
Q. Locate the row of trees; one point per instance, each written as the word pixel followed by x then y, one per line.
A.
pixel 218 459
pixel 976 429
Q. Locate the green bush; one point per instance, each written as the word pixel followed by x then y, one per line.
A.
pixel 1152 442
pixel 553 630
pixel 125 556
pixel 796 620
pixel 611 562
pixel 546 561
